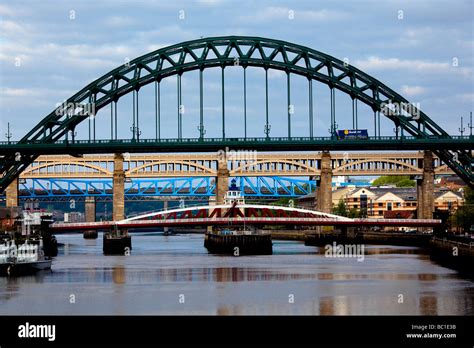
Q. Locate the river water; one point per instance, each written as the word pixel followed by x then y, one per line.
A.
pixel 175 275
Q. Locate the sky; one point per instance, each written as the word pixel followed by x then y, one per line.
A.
pixel 51 49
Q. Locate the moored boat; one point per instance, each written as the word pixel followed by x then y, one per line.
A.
pixel 26 244
pixel 26 258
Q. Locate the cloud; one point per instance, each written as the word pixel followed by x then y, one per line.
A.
pixel 273 73
pixel 411 91
pixel 277 13
pixel 32 97
pixel 119 21
pixel 321 15
pixel 6 11
pixel 466 97
pixel 8 27
pixel 59 56
pixel 99 51
pixel 377 63
pixel 374 63
pixel 173 33
pixel 154 47
pixel 210 2
pixel 19 92
pixel 68 56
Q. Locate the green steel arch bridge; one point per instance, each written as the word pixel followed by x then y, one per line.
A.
pixel 56 132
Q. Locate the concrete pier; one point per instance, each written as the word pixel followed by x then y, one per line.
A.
pixel 12 194
pixel 222 182
pixel 425 188
pixel 90 209
pixel 118 188
pixel 117 242
pixel 237 245
pixel 90 215
pixel 324 185
pixel 90 234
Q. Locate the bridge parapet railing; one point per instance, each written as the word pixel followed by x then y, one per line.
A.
pixel 427 221
pixel 236 140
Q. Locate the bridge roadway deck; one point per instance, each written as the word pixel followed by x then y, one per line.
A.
pixel 107 225
pixel 239 164
pixel 216 144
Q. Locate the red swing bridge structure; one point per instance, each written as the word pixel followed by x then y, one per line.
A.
pixel 238 214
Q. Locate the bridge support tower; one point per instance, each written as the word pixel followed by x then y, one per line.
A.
pixel 90 211
pixel 118 188
pixel 425 188
pixel 324 185
pixel 222 181
pixel 12 194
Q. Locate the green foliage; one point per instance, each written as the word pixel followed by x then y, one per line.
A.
pixel 468 195
pixel 340 209
pixel 284 201
pixel 398 181
pixel 406 183
pixel 354 213
pixel 463 218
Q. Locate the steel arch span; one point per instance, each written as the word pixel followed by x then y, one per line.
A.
pixel 226 51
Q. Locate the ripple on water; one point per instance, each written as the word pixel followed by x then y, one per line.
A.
pixel 163 267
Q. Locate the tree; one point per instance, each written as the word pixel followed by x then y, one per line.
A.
pixel 468 195
pixel 284 201
pixel 406 183
pixel 463 218
pixel 398 181
pixel 340 209
pixel 354 213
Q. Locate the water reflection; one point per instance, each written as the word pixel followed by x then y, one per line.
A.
pixel 118 275
pixel 162 268
pixel 326 306
pixel 385 249
pixel 428 305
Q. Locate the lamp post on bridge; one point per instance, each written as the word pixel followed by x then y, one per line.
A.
pixel 135 133
pixel 396 130
pixel 73 135
pixel 462 129
pixel 333 130
pixel 267 130
pixel 202 132
pixel 8 134
pixel 470 124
